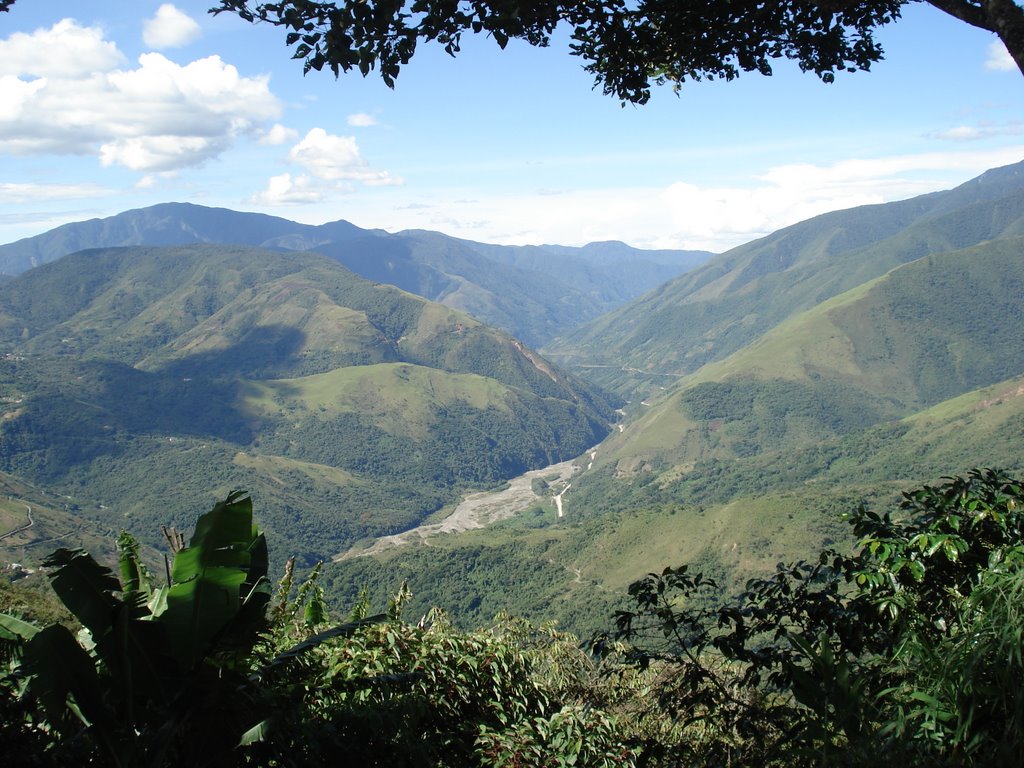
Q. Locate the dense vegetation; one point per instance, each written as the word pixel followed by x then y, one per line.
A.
pixel 732 517
pixel 351 409
pixel 904 651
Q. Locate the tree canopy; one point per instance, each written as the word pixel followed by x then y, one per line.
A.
pixel 627 46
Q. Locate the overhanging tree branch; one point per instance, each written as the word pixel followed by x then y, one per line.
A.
pixel 1005 18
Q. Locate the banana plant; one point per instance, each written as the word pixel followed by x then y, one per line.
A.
pixel 157 675
pixel 161 675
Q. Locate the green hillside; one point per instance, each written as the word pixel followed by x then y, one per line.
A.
pixel 533 292
pixel 142 381
pixel 754 459
pixel 773 390
pixel 730 518
pixel 925 332
pixel 729 302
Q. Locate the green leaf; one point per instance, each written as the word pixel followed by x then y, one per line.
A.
pixel 342 630
pixel 85 587
pixel 256 734
pixel 13 629
pixel 224 563
pixel 58 668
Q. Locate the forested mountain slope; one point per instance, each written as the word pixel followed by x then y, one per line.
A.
pixel 731 519
pixel 923 333
pixel 831 398
pixel 147 380
pixel 718 308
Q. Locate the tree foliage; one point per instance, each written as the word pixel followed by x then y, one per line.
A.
pixel 210 670
pixel 627 46
pixel 908 651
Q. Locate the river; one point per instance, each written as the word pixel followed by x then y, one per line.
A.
pixel 482 508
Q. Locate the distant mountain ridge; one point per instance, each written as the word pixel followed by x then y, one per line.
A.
pixel 834 363
pixel 533 292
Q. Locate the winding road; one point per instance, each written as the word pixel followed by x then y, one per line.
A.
pixel 31 522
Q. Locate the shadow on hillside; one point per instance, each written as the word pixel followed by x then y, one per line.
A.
pixel 264 352
pixel 98 407
pixel 390 261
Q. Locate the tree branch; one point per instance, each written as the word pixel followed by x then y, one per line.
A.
pixel 1003 17
pixel 972 13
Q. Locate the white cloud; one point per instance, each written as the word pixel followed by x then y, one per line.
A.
pixel 17 194
pixel 158 116
pixel 332 164
pixel 983 130
pixel 285 190
pixel 961 133
pixel 336 158
pixel 684 214
pixel 278 135
pixel 160 153
pixel 999 58
pixel 170 28
pixel 361 120
pixel 15 93
pixel 792 193
pixel 66 50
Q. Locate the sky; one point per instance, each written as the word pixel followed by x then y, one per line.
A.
pixel 107 106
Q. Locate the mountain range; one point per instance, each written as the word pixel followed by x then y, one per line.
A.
pixel 763 392
pixel 728 302
pixel 532 292
pixel 772 389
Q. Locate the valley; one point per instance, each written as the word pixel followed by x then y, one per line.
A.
pixel 727 415
pixel 512 385
pixel 483 508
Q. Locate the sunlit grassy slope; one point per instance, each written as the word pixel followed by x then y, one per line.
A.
pixel 731 519
pixel 144 382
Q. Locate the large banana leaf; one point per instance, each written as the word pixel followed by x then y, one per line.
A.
pixel 86 588
pixel 13 629
pixel 63 678
pixel 221 571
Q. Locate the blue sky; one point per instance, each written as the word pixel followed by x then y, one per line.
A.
pixel 111 105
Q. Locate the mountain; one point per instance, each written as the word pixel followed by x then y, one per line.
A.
pixel 172 224
pixel 139 380
pixel 831 365
pixel 731 300
pixel 729 519
pixel 923 333
pixel 532 292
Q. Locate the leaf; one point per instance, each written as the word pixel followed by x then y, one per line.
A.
pixel 136 655
pixel 85 587
pixel 342 630
pixel 210 577
pixel 256 734
pixel 57 668
pixel 14 629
